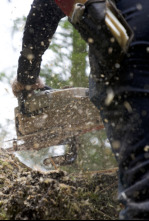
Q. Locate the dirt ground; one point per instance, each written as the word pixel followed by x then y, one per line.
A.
pixel 34 195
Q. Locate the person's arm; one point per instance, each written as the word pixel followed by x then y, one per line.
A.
pixel 41 24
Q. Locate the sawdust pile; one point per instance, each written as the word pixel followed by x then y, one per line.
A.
pixel 33 195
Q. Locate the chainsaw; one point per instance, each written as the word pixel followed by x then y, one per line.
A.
pixel 48 118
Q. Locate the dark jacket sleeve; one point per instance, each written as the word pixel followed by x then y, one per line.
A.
pixel 41 24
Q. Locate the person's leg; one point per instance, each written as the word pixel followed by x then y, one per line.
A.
pixel 123 100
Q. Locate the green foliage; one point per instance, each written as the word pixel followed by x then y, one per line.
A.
pixel 78 58
pixel 2 75
pixel 54 80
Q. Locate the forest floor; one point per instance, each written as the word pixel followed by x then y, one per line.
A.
pixel 33 195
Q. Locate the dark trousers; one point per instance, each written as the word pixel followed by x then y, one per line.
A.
pixel 122 96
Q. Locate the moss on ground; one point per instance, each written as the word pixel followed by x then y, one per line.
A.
pixel 34 195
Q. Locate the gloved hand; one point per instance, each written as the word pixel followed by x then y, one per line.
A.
pixel 17 87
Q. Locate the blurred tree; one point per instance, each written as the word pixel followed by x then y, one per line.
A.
pixel 70 59
pixel 78 59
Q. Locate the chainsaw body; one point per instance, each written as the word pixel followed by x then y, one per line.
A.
pixel 51 117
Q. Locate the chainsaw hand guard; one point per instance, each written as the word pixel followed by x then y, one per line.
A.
pixel 104 28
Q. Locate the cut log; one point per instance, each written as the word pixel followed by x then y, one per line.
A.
pixel 33 195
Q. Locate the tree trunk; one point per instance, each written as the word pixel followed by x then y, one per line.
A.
pixel 78 58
